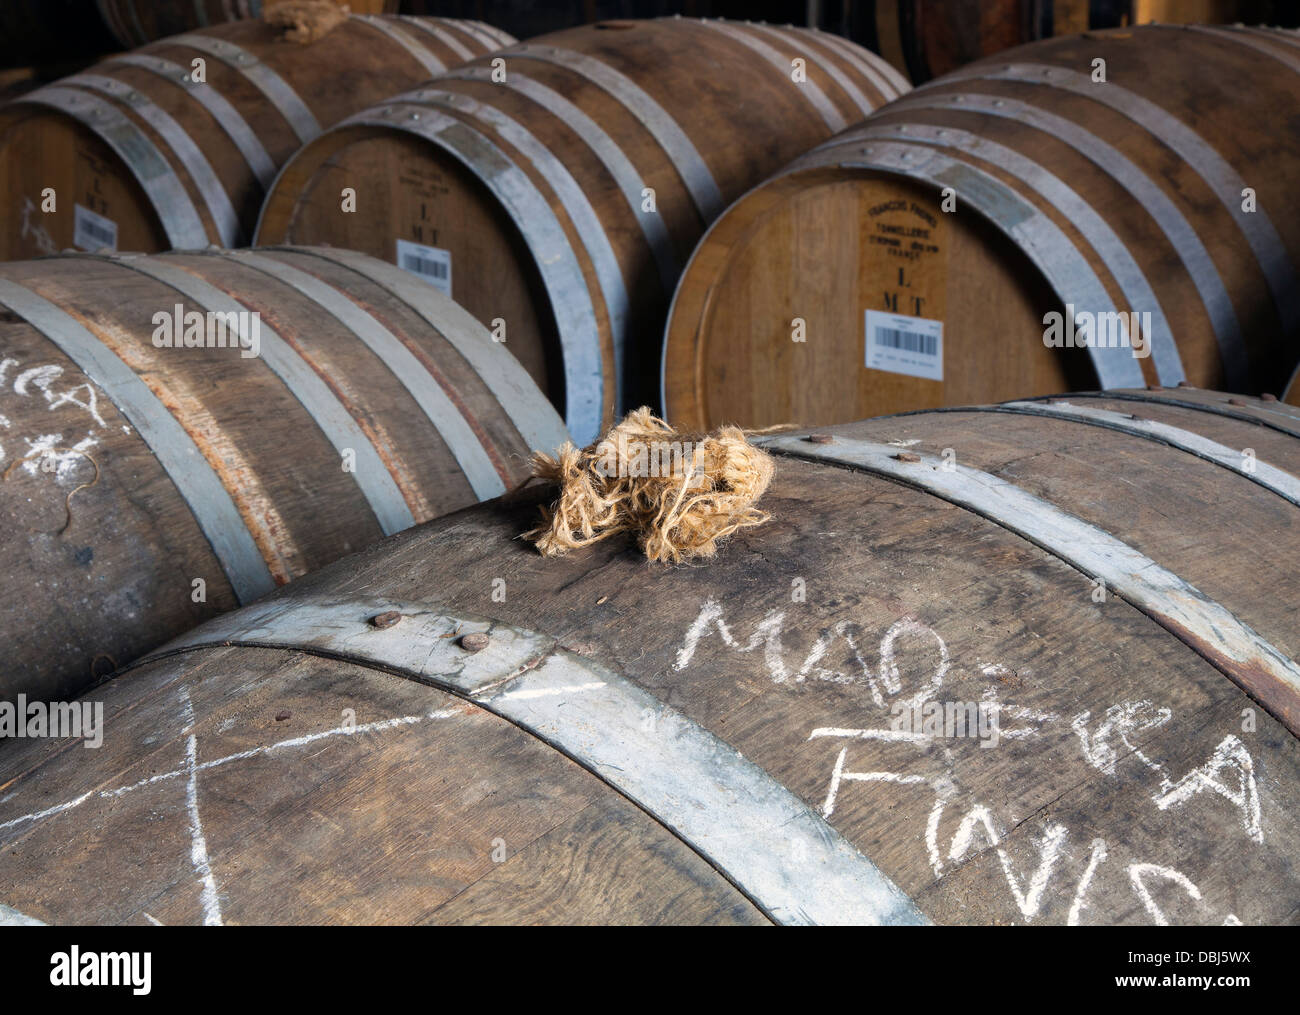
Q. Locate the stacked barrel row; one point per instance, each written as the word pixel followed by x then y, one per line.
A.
pixel 567 179
pixel 152 480
pixel 156 480
pixel 174 145
pixel 62 31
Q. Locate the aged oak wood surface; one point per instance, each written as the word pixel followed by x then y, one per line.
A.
pixel 40 32
pixel 402 409
pixel 570 177
pixel 1133 780
pixel 136 23
pixel 929 38
pixel 924 38
pixel 176 163
pixel 992 196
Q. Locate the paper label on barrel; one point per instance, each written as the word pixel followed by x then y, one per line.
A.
pixel 431 263
pixel 903 280
pixel 93 232
pixel 904 345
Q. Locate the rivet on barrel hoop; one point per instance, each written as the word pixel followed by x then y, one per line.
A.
pixel 475 642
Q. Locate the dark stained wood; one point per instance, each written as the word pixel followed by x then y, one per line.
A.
pixel 138 22
pixel 608 864
pixel 41 147
pixel 1076 816
pixel 14 83
pixel 951 34
pixel 60 31
pixel 744 115
pixel 804 245
pixel 929 38
pixel 118 580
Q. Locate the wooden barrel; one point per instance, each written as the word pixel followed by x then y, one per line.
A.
pixel 133 155
pixel 926 39
pixel 557 188
pixel 150 482
pixel 915 260
pixel 590 739
pixel 14 83
pixel 139 22
pixel 36 32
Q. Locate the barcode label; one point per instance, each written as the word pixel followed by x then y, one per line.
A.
pixel 904 345
pixel 430 263
pixel 908 341
pixel 93 232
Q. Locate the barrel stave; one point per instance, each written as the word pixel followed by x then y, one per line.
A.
pixel 409 856
pixel 627 132
pixel 362 386
pixel 282 496
pixel 136 23
pixel 1087 474
pixel 106 560
pixel 1151 63
pixel 1221 422
pixel 441 482
pixel 440 206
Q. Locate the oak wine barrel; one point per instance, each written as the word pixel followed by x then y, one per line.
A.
pixel 791 733
pixel 139 22
pixel 558 186
pixel 138 156
pixel 926 39
pixel 154 472
pixel 14 83
pixel 38 32
pixel 913 260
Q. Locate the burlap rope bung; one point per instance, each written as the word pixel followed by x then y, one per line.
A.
pixel 304 21
pixel 680 493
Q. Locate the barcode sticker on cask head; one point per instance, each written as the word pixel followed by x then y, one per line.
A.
pixel 431 263
pixel 904 345
pixel 93 232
